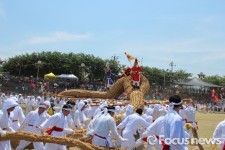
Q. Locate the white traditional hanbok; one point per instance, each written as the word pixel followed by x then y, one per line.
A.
pixel 5 124
pixel 59 126
pixel 156 129
pixel 80 119
pixel 219 133
pixel 173 127
pixel 32 123
pixel 16 118
pixel 190 112
pixel 130 125
pixel 148 115
pixel 129 111
pixel 103 125
pixel 30 104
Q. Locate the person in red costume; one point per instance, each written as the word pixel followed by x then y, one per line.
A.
pixel 125 72
pixel 135 74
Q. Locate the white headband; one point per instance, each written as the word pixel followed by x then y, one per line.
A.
pixel 112 110
pixel 68 109
pixel 175 104
pixel 42 106
pixel 172 104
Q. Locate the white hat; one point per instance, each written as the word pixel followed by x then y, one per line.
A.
pixel 47 103
pixel 80 105
pixel 9 103
pixel 89 100
pixel 129 109
pixel 102 105
pixel 42 105
pixel 117 108
pixel 119 103
pixel 15 99
pixel 149 112
pixel 156 107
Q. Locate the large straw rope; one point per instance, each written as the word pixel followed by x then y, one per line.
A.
pixel 123 84
pixel 28 136
pixel 136 96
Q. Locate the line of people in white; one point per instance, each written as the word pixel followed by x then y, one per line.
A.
pixel 156 119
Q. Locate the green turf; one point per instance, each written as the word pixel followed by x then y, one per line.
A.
pixel 207 123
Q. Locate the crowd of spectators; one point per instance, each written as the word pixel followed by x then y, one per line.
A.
pixel 30 85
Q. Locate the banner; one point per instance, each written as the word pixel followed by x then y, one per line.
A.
pixel 214 97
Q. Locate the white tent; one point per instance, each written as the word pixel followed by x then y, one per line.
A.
pixel 197 82
pixel 67 76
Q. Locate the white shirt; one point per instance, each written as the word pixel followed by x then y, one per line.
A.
pixel 219 132
pixel 132 122
pixel 173 126
pixel 33 121
pixel 21 100
pixel 104 124
pixel 182 114
pixel 4 126
pixel 79 119
pixel 16 116
pixel 4 121
pixel 88 111
pixel 190 113
pixel 156 128
pixel 58 120
pixel 30 102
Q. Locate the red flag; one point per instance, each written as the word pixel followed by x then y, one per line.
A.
pixel 214 97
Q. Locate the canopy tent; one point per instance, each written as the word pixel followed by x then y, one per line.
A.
pixel 197 82
pixel 67 76
pixel 50 76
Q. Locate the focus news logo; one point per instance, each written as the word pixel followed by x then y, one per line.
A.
pixel 152 140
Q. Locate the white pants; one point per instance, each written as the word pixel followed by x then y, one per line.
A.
pixel 50 146
pixel 37 145
pixel 130 143
pixel 5 145
pixel 157 145
pixel 102 142
pixel 134 83
pixel 118 143
pixel 15 125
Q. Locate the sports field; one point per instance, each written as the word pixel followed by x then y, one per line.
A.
pixel 207 123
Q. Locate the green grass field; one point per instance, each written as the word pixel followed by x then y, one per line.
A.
pixel 207 123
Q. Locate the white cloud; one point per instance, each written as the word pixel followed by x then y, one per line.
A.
pixel 23 46
pixel 56 37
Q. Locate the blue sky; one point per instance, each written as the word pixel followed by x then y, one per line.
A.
pixel 189 33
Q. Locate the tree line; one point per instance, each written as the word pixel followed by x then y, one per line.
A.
pixel 39 64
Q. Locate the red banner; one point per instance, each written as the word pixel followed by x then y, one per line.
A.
pixel 214 97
